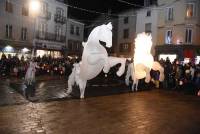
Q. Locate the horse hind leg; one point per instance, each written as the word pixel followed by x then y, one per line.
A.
pixel 136 88
pixel 133 87
pixel 71 82
pixel 114 61
pixel 82 87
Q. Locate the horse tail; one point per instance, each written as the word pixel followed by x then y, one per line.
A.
pixel 157 66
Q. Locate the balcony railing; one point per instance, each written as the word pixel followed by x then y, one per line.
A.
pixel 50 37
pixel 59 19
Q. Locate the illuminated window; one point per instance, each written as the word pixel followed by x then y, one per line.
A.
pixel 171 57
pixel 124 47
pixel 168 37
pixel 190 10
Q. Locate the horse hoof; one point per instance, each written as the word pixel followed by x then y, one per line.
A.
pixel 68 95
pixel 119 73
pixel 81 97
pixel 105 70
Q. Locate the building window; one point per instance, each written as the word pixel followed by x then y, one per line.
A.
pixel 58 32
pixel 77 31
pixel 126 33
pixel 188 35
pixel 72 29
pixel 24 11
pixel 126 20
pixel 24 33
pixel 59 12
pixel 9 31
pixel 170 14
pixel 190 10
pixel 124 47
pixel 148 13
pixel 44 7
pixel 9 6
pixel 147 3
pixel 42 29
pixel 168 37
pixel 77 46
pixel 70 44
pixel 148 27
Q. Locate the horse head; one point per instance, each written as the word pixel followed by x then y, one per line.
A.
pixel 102 34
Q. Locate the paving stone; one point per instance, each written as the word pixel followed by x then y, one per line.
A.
pixel 146 112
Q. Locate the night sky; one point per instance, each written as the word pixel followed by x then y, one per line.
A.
pixel 97 5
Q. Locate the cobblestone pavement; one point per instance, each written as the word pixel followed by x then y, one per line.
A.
pixel 146 112
pixel 9 96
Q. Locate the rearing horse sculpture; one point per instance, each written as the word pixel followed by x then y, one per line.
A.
pixel 94 59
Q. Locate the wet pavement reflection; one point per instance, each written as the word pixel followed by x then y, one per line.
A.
pixel 55 88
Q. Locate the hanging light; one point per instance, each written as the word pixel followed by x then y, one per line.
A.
pixel 25 50
pixel 8 48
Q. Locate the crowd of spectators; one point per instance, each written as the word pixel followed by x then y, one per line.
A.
pixel 178 76
pixel 13 66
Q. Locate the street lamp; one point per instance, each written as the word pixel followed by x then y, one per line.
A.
pixel 34 9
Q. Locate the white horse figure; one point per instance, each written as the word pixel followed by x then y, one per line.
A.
pixel 95 58
pixel 143 62
pixel 30 73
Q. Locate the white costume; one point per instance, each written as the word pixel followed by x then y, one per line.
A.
pixel 30 73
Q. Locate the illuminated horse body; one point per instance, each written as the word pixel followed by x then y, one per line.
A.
pixel 131 73
pixel 143 62
pixel 94 59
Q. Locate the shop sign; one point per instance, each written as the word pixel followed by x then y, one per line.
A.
pixel 48 46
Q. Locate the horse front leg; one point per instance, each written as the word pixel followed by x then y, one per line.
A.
pixel 114 61
pixel 96 58
pixel 71 82
pixel 128 74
